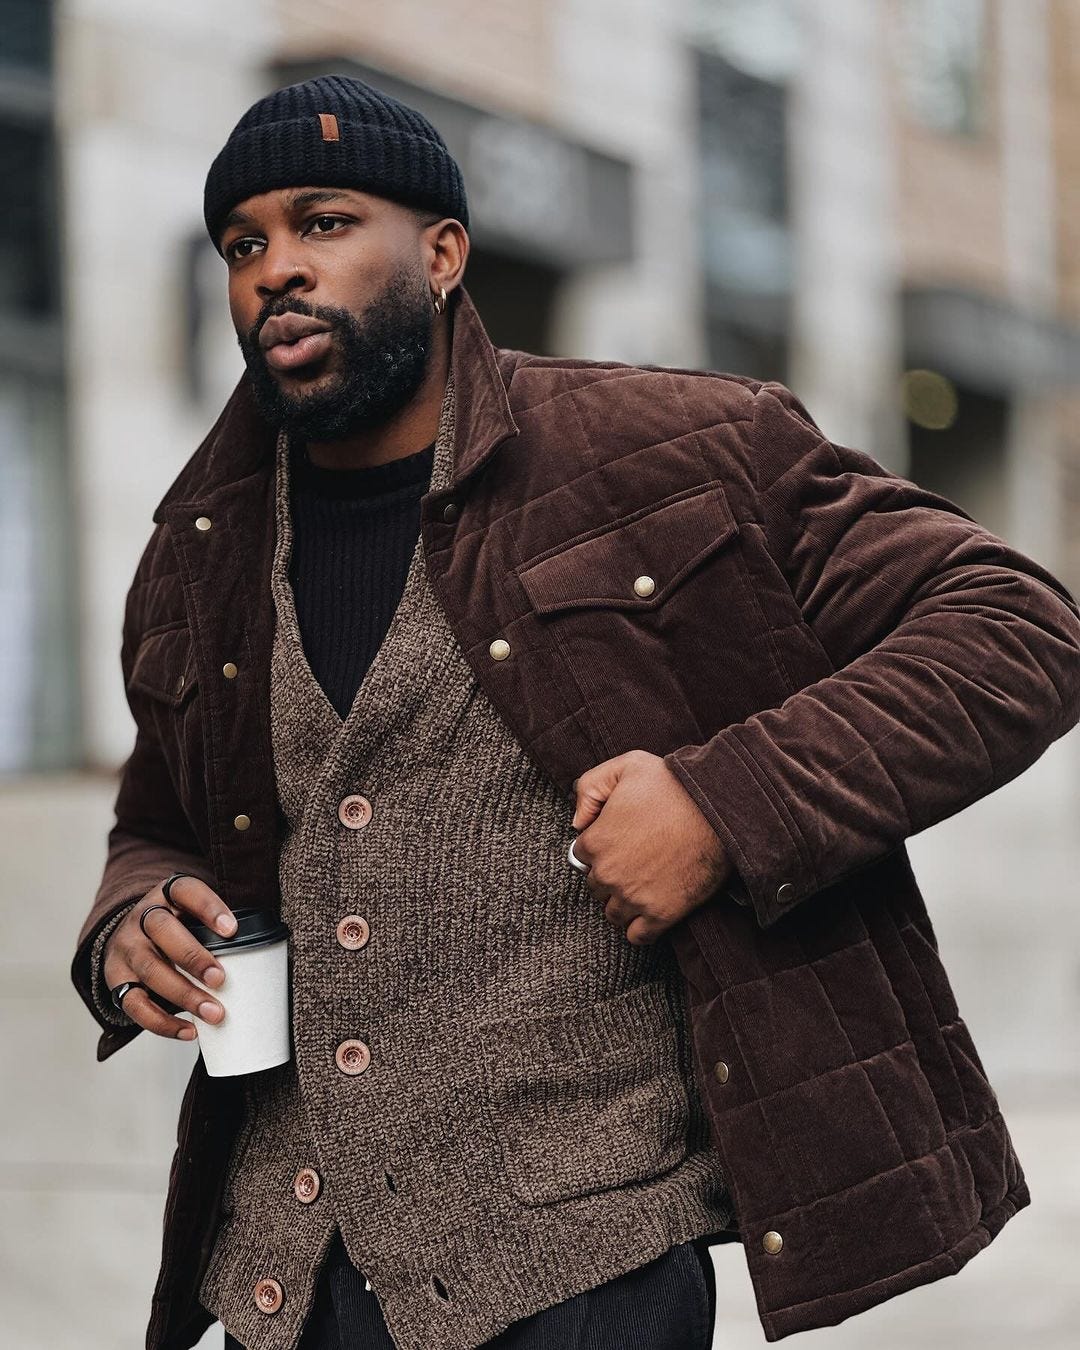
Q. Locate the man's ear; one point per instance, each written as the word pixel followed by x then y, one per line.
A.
pixel 450 252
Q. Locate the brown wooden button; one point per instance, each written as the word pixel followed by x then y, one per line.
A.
pixel 229 670
pixel 241 822
pixel 353 932
pixel 269 1296
pixel 352 1057
pixel 307 1185
pixel 354 811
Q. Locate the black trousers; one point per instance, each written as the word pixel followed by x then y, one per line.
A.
pixel 669 1304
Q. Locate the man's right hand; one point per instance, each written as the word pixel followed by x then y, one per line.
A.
pixel 167 944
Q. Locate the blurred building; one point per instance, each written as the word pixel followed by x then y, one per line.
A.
pixel 874 203
pixel 878 204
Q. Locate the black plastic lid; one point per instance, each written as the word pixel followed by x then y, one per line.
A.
pixel 254 928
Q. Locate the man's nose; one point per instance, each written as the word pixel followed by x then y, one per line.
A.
pixel 278 276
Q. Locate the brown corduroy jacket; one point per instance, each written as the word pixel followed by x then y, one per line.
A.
pixel 831 660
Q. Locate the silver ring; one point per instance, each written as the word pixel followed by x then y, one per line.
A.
pixel 576 863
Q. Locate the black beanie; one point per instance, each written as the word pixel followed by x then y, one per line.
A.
pixel 334 131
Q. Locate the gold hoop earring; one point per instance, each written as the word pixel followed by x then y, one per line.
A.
pixel 438 302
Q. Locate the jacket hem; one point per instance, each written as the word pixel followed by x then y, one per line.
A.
pixel 836 1308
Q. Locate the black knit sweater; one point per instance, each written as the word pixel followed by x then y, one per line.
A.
pixel 354 531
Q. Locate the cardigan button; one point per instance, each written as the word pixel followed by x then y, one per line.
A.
pixel 269 1296
pixel 241 822
pixel 307 1185
pixel 772 1242
pixel 785 893
pixel 450 512
pixel 644 586
pixel 229 670
pixel 202 523
pixel 354 811
pixel 499 649
pixel 353 932
pixel 352 1057
pixel 721 1072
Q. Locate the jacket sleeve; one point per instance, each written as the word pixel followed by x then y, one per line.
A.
pixel 956 663
pixel 150 839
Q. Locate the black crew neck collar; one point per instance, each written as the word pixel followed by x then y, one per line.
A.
pixel 370 481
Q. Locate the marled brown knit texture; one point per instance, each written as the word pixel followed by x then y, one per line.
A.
pixel 529 1088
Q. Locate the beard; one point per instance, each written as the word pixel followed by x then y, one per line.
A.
pixel 382 360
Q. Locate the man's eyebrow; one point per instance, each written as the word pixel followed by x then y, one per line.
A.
pixel 314 196
pixel 235 217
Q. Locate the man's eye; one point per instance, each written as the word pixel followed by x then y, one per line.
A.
pixel 241 248
pixel 324 224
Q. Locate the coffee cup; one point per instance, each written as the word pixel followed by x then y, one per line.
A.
pixel 254 1033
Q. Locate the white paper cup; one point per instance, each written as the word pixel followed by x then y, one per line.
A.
pixel 254 1034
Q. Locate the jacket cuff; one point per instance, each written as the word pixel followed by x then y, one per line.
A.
pixel 99 990
pixel 772 868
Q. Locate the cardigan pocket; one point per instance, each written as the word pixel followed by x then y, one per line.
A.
pixel 588 1100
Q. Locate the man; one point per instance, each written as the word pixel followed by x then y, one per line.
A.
pixel 416 614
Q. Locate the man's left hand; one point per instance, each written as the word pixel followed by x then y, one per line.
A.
pixel 653 857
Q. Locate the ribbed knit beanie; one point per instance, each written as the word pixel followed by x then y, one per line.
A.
pixel 334 131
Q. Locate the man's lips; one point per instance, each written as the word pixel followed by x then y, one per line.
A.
pixel 292 340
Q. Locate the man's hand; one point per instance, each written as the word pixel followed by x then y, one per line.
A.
pixel 653 856
pixel 153 958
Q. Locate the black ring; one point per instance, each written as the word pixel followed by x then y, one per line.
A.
pixel 166 885
pixel 149 910
pixel 117 994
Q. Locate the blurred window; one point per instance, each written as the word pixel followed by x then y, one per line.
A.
pixel 942 58
pixel 38 694
pixel 28 272
pixel 745 226
pixel 26 34
pixel 742 137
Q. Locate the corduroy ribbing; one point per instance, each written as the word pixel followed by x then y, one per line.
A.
pixel 529 1125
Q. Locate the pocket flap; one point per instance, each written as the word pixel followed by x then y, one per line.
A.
pixel 659 545
pixel 164 666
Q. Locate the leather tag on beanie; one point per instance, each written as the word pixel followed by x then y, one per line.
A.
pixel 329 125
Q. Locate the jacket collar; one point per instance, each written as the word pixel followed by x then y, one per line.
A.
pixel 240 443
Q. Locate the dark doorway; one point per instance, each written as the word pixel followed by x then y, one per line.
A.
pixel 515 299
pixel 967 461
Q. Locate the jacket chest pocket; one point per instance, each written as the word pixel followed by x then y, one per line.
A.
pixel 656 619
pixel 588 1100
pixel 164 667
pixel 636 564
